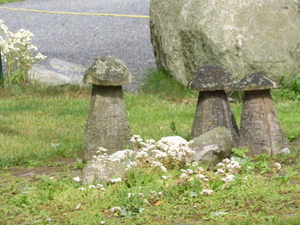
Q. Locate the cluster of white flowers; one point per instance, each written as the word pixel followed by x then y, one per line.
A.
pixel 116 180
pixel 225 173
pixel 77 179
pixel 228 166
pixel 98 186
pixel 17 51
pixel 167 153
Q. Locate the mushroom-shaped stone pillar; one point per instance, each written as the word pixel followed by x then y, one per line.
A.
pixel 107 124
pixel 213 109
pixel 260 130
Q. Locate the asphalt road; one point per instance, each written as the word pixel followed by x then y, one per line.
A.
pixel 82 38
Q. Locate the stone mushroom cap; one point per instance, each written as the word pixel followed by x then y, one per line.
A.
pixel 107 71
pixel 256 81
pixel 210 78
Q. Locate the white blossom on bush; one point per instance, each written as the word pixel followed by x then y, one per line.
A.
pixel 18 53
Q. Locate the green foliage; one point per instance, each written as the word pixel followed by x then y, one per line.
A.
pixel 239 152
pixel 173 127
pixel 79 164
pixel 290 89
pixel 287 112
pixel 143 118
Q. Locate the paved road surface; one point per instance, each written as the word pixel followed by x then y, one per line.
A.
pixel 80 39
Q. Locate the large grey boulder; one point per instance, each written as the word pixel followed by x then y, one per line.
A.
pixel 241 36
pixel 212 147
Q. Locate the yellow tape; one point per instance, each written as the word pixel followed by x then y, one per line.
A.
pixel 72 13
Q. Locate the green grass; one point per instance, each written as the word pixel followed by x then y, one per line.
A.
pixel 265 197
pixel 37 127
pixel 42 131
pixel 38 123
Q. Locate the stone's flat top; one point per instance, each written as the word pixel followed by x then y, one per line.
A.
pixel 107 71
pixel 256 81
pixel 211 78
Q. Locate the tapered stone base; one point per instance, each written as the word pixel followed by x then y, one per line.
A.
pixel 107 124
pixel 213 110
pixel 260 130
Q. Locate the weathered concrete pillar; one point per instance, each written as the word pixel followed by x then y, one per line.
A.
pixel 260 130
pixel 213 109
pixel 107 124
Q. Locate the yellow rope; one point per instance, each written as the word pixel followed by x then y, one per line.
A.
pixel 73 13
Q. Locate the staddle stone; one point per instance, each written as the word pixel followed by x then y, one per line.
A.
pixel 260 130
pixel 107 124
pixel 213 109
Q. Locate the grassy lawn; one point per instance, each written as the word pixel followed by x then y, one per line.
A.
pixel 41 136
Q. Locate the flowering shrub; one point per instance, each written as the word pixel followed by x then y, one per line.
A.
pixel 167 153
pixel 18 53
pixel 173 153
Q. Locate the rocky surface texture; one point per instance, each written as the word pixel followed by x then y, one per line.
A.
pixel 57 72
pixel 212 147
pixel 102 170
pixel 242 36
